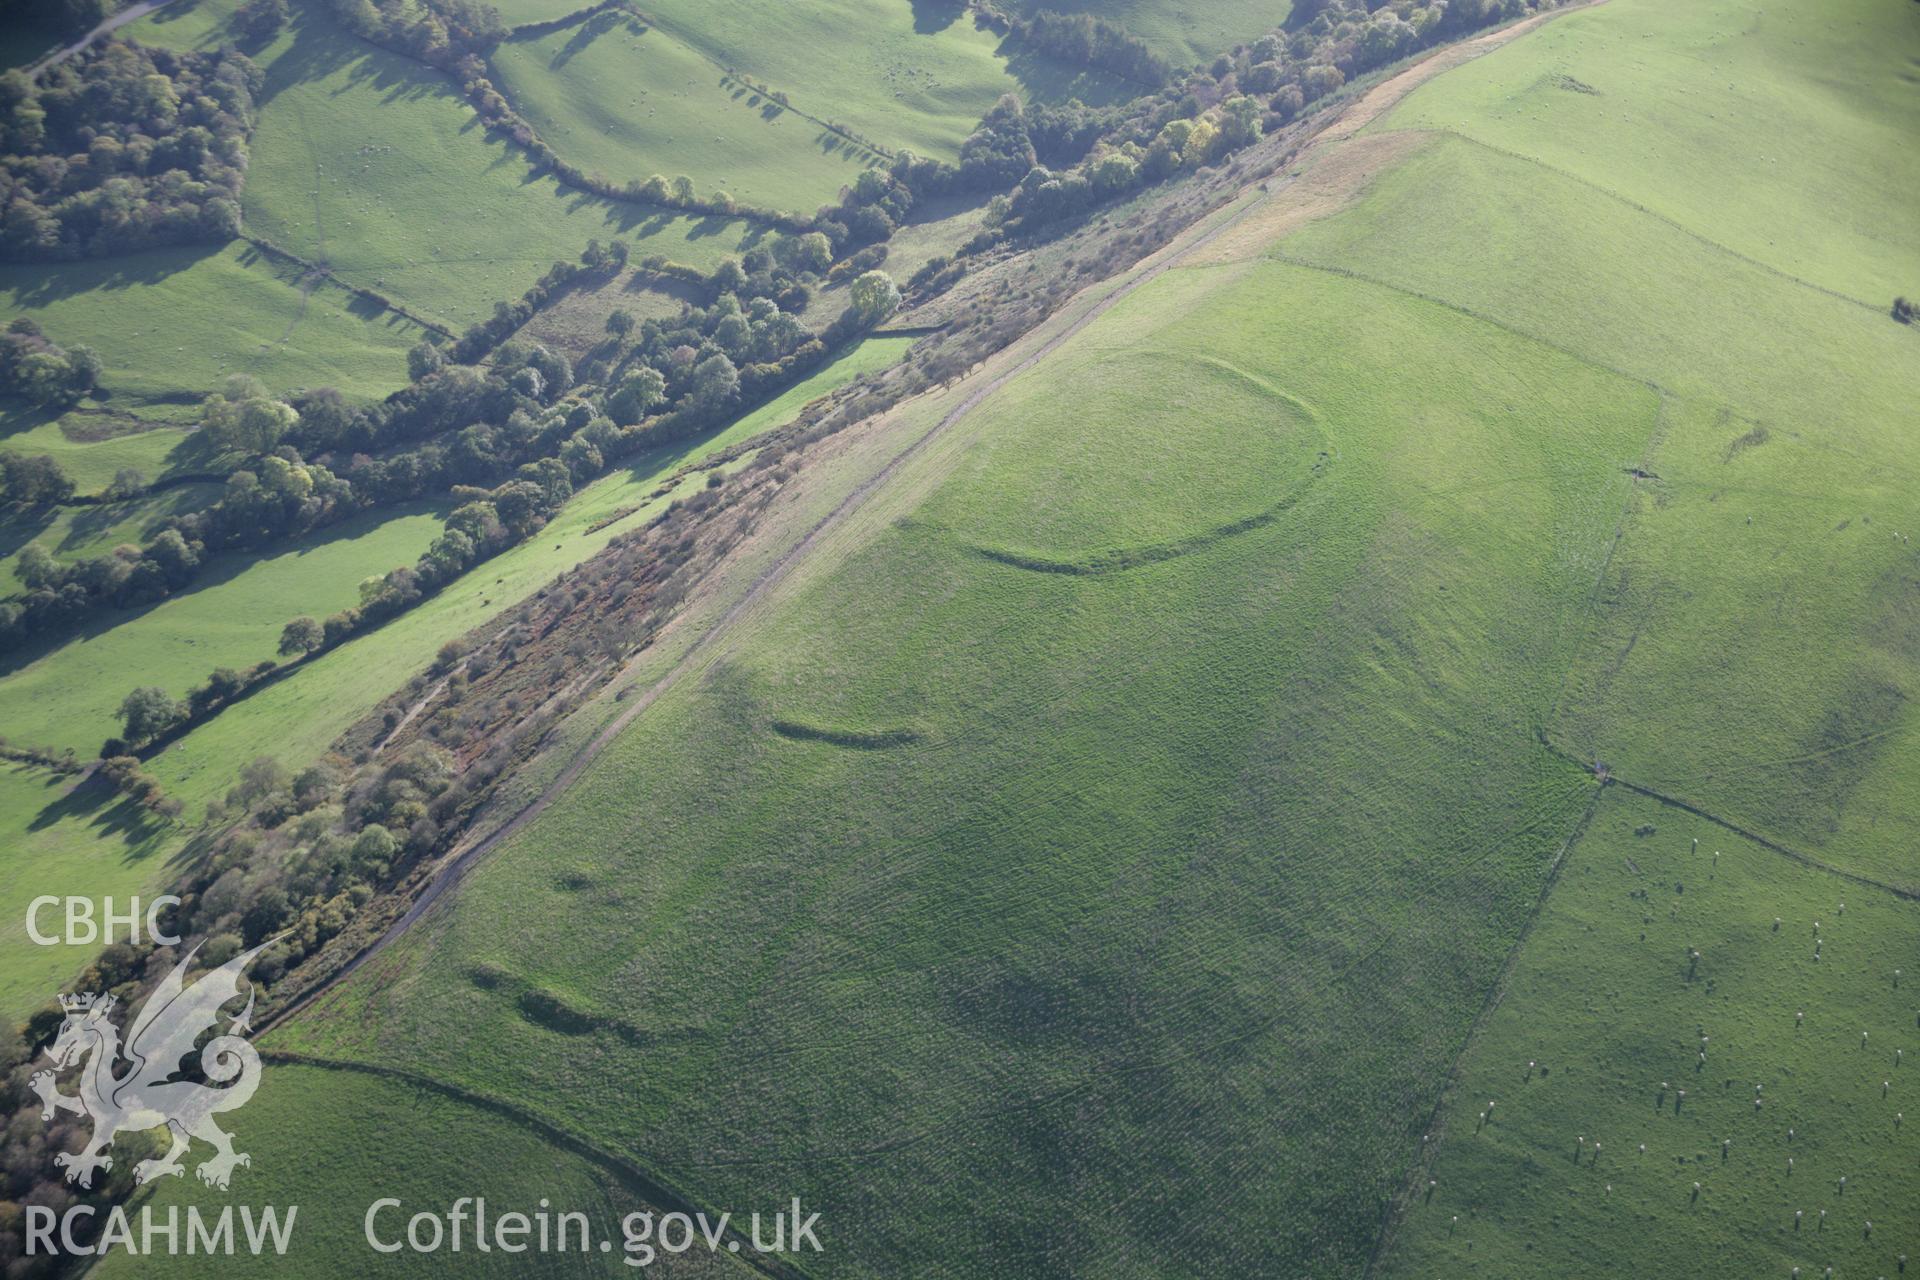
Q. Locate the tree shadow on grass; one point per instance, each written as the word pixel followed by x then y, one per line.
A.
pixel 73 279
pixel 102 807
pixel 89 523
pixel 217 571
pixel 20 529
pixel 931 17
pixel 592 29
pixel 1046 79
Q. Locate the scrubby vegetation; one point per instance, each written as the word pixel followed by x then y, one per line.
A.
pixel 123 148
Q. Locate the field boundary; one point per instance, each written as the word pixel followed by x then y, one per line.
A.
pixel 1436 1126
pixel 1637 207
pixel 1736 828
pixel 326 272
pixel 648 1183
pixel 457 863
pixel 738 76
pixel 1255 194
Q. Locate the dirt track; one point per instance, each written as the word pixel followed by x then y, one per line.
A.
pixel 1188 246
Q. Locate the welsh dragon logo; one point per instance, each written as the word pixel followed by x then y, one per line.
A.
pixel 130 1088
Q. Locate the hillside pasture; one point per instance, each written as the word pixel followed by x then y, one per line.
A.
pixel 1182 32
pixel 917 76
pixel 1066 858
pixel 334 1172
pixel 1745 123
pixel 1588 1163
pixel 295 719
pixel 376 166
pixel 93 448
pixel 61 835
pixel 1763 584
pixel 617 96
pixel 230 617
pixel 171 324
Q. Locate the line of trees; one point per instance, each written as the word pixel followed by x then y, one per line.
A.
pixel 123 147
pixel 658 190
pixel 507 319
pixel 459 428
pixel 1091 41
pixel 1063 162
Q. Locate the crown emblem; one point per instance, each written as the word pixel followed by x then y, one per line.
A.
pixel 79 1002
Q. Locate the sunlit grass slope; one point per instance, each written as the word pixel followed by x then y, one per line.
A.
pixel 619 97
pixel 1113 850
pixel 1780 130
pixel 230 617
pixel 1182 32
pixel 61 836
pixel 378 167
pixel 334 1172
pixel 171 324
pixel 1588 1163
pixel 899 72
pixel 1753 650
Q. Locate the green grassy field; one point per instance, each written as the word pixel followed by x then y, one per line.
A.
pixel 1165 827
pixel 1084 904
pixel 377 166
pixel 230 617
pixel 69 696
pixel 80 532
pixel 618 97
pixel 296 718
pixel 1763 586
pixel 919 76
pixel 172 323
pixel 1743 123
pixel 60 839
pixel 516 12
pixel 1588 1163
pixel 334 1172
pixel 1100 861
pixel 1750 648
pixel 92 463
pixel 1182 33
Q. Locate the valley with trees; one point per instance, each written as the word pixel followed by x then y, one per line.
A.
pixel 1091 637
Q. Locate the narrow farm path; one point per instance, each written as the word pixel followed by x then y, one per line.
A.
pixel 1256 196
pixel 132 13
